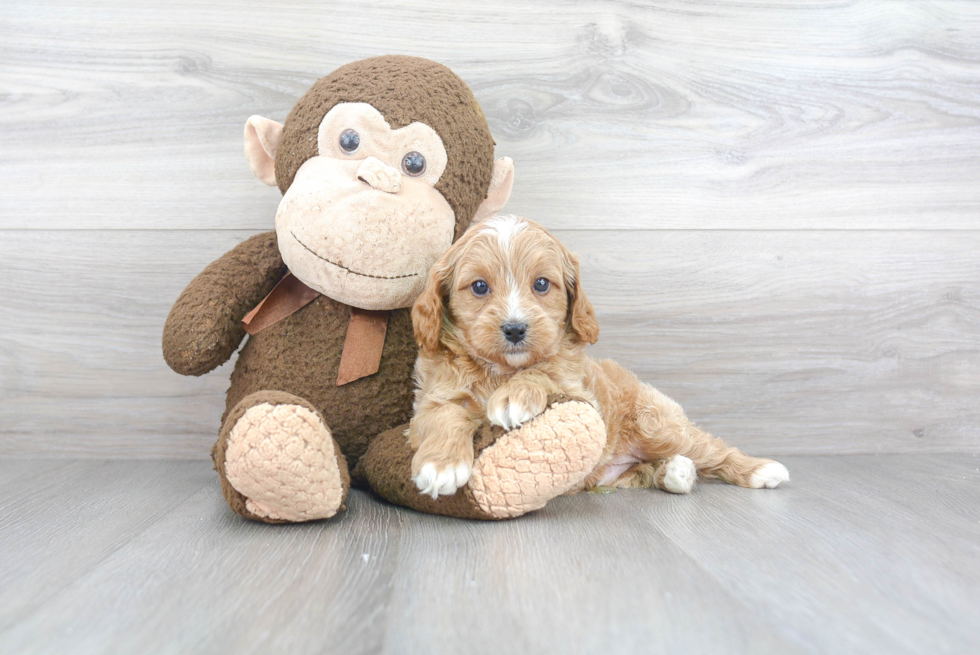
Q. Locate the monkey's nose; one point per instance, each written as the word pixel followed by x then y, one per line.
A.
pixel 514 332
pixel 379 175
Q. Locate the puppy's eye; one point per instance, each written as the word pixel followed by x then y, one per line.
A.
pixel 542 284
pixel 414 163
pixel 480 288
pixel 350 141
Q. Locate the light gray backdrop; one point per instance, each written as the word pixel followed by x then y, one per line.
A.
pixel 776 203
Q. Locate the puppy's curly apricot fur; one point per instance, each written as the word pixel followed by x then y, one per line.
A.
pixel 502 323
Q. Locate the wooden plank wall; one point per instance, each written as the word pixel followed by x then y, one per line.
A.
pixel 776 203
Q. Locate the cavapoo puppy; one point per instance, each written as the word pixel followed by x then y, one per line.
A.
pixel 502 323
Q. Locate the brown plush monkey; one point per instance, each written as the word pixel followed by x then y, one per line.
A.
pixel 382 165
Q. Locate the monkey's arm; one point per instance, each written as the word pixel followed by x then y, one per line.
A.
pixel 204 326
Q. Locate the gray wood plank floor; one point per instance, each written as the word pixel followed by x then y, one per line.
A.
pixel 859 554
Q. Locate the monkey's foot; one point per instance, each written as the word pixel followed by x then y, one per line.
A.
pixel 282 461
pixel 544 458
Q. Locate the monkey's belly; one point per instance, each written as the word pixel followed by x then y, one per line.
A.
pixel 301 355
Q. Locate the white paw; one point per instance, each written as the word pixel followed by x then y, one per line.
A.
pixel 511 415
pixel 769 476
pixel 442 482
pixel 680 476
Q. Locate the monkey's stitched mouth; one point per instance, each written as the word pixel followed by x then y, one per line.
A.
pixel 376 277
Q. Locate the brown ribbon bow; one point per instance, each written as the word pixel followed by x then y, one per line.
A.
pixel 365 337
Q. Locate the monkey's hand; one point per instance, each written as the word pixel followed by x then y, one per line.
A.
pixel 520 399
pixel 204 326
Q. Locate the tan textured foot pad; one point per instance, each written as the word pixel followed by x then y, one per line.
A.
pixel 545 458
pixel 282 459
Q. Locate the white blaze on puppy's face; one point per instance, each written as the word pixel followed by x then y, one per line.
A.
pixel 361 221
pixel 509 254
pixel 504 228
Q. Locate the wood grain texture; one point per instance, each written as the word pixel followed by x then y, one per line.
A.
pixel 858 554
pixel 781 342
pixel 202 580
pixel 777 202
pixel 583 575
pixel 668 114
pixel 63 522
pixel 861 542
pixel 15 474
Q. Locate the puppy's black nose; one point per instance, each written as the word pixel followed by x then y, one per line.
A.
pixel 514 331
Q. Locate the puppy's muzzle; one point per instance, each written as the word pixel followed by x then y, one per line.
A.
pixel 514 332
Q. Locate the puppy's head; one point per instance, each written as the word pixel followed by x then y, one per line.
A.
pixel 508 292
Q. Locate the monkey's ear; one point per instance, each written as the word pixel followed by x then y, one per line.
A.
pixel 261 142
pixel 501 184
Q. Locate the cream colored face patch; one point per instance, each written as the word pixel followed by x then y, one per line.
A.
pixel 362 222
pixel 375 138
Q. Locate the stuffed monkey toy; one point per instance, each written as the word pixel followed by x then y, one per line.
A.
pixel 382 165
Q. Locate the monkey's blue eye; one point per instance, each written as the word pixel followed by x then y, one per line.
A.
pixel 541 285
pixel 480 288
pixel 350 140
pixel 414 163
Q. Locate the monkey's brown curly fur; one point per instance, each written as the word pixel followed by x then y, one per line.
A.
pixel 300 355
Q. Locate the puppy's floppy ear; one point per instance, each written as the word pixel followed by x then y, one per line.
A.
pixel 428 308
pixel 581 316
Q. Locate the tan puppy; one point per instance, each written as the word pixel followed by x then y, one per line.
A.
pixel 502 323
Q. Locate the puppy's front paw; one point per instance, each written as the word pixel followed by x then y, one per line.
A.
pixel 511 406
pixel 441 480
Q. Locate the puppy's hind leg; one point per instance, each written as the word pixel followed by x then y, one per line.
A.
pixel 676 475
pixel 735 467
pixel 664 430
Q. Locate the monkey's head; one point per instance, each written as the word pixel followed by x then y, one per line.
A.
pixel 382 165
